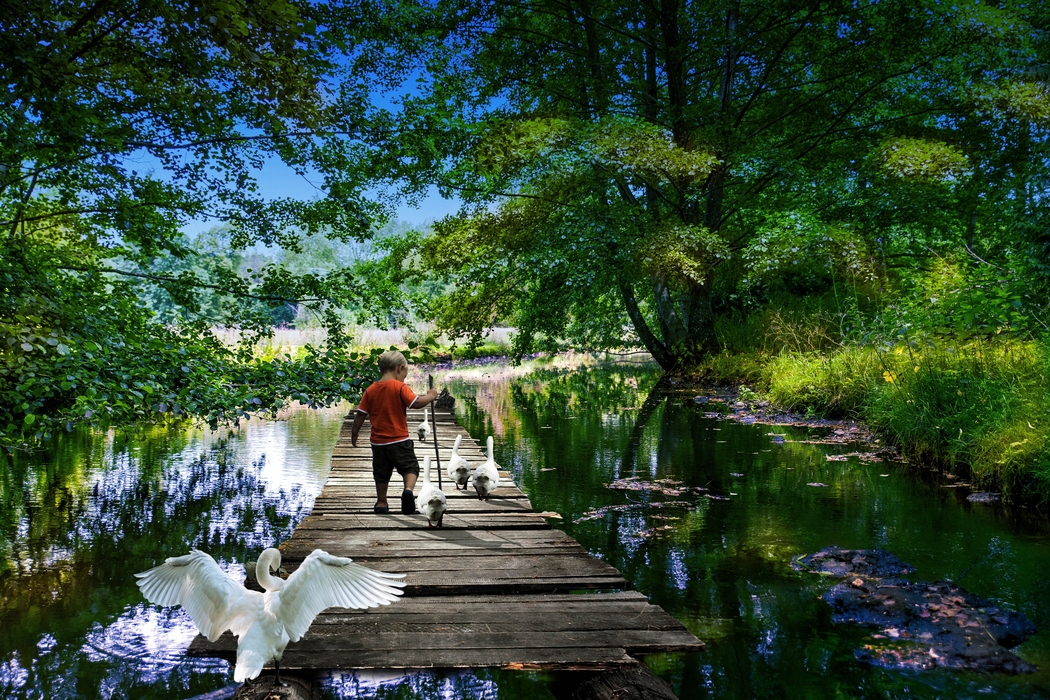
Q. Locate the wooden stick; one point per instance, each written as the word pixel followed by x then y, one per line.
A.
pixel 434 425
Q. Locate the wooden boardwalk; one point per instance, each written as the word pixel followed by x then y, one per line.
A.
pixel 495 587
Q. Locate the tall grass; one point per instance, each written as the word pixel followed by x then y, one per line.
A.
pixel 981 406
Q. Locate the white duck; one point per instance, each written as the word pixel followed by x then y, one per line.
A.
pixel 458 469
pixel 264 623
pixel 431 502
pixel 486 476
pixel 424 428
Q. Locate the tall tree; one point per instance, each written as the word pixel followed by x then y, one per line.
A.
pixel 623 164
pixel 122 121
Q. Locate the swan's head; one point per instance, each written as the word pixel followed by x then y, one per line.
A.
pixel 269 560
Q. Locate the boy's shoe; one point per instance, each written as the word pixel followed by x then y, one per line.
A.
pixel 408 503
pixel 380 510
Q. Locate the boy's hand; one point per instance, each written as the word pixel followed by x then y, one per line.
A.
pixel 432 393
pixel 359 419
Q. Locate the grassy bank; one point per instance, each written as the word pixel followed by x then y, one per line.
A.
pixel 981 406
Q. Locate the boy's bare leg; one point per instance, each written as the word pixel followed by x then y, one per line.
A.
pixel 381 494
pixel 408 501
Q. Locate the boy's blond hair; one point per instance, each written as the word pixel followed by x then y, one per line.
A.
pixel 391 360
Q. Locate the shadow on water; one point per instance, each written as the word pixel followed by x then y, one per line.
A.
pixel 705 519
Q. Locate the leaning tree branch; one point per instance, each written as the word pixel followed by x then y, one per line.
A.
pixel 200 285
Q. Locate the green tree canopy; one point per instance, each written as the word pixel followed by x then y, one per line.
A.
pixel 120 123
pixel 625 166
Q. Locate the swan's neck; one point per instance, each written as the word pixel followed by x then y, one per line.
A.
pixel 455 447
pixel 490 448
pixel 270 558
pixel 426 471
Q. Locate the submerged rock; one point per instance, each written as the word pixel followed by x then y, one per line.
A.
pixel 919 625
pixel 926 625
pixel 840 562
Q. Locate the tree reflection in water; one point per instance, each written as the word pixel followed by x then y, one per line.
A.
pixel 79 519
pixel 74 625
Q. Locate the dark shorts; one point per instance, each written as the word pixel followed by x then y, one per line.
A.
pixel 399 455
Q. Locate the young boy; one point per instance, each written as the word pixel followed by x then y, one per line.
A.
pixel 385 403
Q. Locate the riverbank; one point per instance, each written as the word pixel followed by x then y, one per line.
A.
pixel 979 409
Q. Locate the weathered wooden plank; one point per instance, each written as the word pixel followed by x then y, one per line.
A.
pixel 522 617
pixel 298 550
pixel 420 572
pixel 299 547
pixel 424 585
pixel 368 492
pixel 452 520
pixel 547 601
pixel 479 638
pixel 512 658
pixel 553 565
pixel 467 539
pixel 363 504
pixel 506 488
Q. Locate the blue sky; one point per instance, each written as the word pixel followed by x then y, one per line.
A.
pixel 278 180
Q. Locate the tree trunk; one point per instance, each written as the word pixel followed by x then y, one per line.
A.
pixel 701 319
pixel 672 322
pixel 654 345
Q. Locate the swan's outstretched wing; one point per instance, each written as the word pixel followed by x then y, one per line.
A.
pixel 196 583
pixel 324 581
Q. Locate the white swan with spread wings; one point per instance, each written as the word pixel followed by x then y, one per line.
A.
pixel 265 623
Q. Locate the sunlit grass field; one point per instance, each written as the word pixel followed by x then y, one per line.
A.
pixel 292 341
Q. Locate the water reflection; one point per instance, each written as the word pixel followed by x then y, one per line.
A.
pixel 720 563
pixel 429 685
pixel 76 522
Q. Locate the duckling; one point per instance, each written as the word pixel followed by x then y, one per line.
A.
pixel 458 469
pixel 431 502
pixel 486 476
pixel 424 427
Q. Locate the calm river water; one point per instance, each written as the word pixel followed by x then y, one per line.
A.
pixel 77 520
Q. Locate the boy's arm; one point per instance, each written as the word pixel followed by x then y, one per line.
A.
pixel 424 399
pixel 359 420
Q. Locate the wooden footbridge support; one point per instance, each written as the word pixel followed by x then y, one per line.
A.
pixel 494 587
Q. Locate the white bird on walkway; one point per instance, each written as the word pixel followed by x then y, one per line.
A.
pixel 486 476
pixel 431 501
pixel 264 623
pixel 424 427
pixel 458 469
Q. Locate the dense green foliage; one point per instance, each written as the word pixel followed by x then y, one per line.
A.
pixel 632 173
pixel 122 122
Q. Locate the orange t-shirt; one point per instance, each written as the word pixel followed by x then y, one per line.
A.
pixel 385 404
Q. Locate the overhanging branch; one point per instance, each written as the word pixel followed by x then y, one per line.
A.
pixel 176 280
